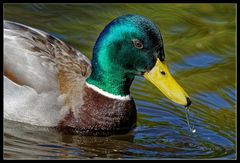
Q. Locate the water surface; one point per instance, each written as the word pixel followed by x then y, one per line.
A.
pixel 199 42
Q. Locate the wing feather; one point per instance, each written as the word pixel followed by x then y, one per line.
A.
pixel 41 75
pixel 35 58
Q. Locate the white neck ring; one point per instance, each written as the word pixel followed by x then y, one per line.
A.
pixel 107 94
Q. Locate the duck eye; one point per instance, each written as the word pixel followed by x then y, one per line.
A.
pixel 137 44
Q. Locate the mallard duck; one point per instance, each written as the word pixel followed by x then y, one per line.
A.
pixel 49 83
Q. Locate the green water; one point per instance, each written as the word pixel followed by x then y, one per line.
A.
pixel 199 42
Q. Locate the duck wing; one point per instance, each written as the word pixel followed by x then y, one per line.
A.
pixel 33 57
pixel 38 69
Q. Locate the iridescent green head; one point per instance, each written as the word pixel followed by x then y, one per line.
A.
pixel 129 45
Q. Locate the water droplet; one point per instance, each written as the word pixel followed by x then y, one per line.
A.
pixel 192 129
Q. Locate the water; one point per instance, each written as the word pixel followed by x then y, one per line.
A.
pixel 199 41
pixel 191 127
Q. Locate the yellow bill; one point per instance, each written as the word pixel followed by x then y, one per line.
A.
pixel 163 80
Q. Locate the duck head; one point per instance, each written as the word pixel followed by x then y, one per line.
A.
pixel 132 45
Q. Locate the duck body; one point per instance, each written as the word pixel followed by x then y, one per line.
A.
pixel 49 83
pixel 45 85
pixel 102 116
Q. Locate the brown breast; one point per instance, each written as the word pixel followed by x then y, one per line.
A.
pixel 99 115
